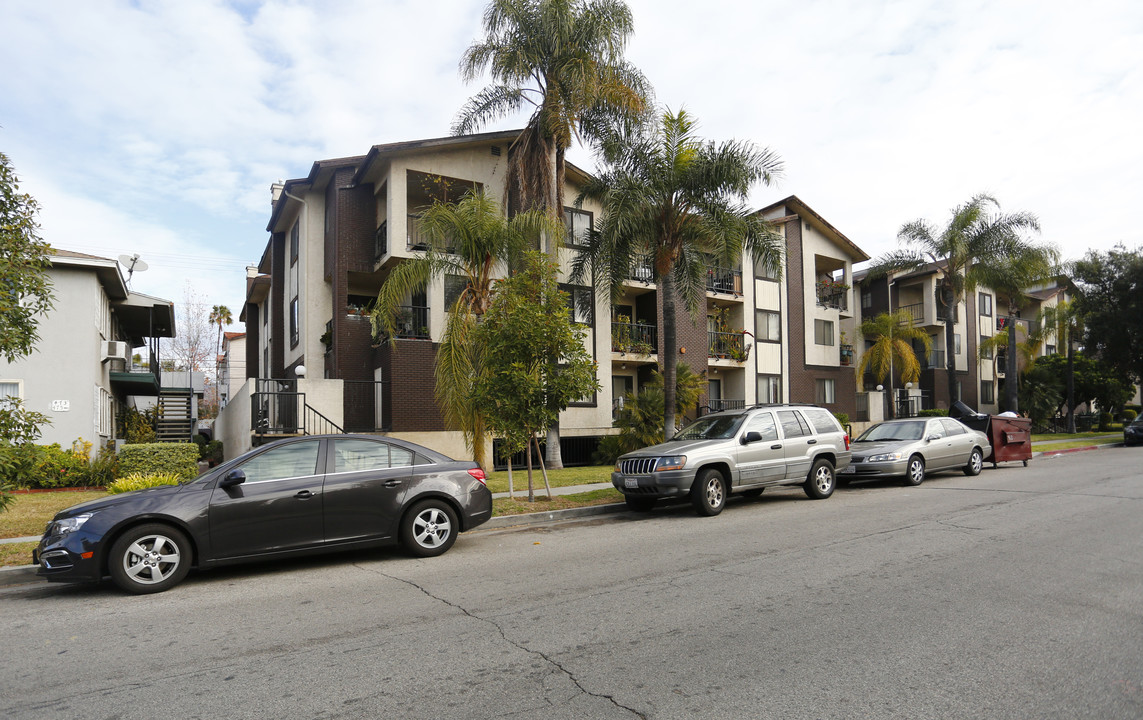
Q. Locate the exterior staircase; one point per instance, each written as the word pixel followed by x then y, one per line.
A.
pixel 176 422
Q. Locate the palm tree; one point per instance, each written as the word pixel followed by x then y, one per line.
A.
pixel 977 236
pixel 1011 276
pixel 471 240
pixel 564 59
pixel 892 352
pixel 219 315
pixel 667 194
pixel 1067 322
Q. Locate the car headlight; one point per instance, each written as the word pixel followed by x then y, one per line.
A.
pixel 885 457
pixel 673 462
pixel 67 525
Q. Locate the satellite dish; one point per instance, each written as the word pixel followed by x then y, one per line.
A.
pixel 133 264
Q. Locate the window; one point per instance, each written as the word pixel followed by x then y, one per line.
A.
pixel 454 286
pixel 952 427
pixel 792 424
pixel 294 332
pixel 578 224
pixel 767 326
pixel 1049 349
pixel 769 388
pixel 295 233
pixel 956 344
pixel 580 303
pixel 297 459
pixel 10 389
pixel 357 455
pixel 987 395
pixel 985 352
pixel 866 299
pixel 984 300
pixel 822 419
pixel 763 424
pixel 823 332
pixel 823 391
pixel 764 273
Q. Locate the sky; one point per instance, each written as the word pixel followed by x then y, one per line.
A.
pixel 157 128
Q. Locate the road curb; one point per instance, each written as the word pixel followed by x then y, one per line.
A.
pixel 1053 453
pixel 506 521
pixel 20 575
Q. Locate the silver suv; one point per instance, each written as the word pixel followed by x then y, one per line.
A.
pixel 737 451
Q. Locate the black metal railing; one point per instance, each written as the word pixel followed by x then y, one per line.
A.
pixel 412 322
pixel 833 296
pixel 845 353
pixel 575 451
pixel 314 423
pixel 719 404
pixel 277 408
pixel 381 241
pixel 724 280
pixel 364 403
pixel 633 338
pixel 643 269
pixel 727 345
pixel 916 310
pixel 935 359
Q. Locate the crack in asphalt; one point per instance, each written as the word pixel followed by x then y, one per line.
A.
pixel 513 643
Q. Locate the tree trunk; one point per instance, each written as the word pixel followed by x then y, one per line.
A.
pixel 1071 402
pixel 1011 395
pixel 949 302
pixel 553 457
pixel 547 486
pixel 667 362
pixel 528 454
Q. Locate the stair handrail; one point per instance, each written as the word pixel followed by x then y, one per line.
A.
pixel 327 426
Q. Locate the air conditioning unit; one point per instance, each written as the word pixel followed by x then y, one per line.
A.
pixel 115 350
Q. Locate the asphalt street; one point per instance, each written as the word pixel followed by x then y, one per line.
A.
pixel 1015 594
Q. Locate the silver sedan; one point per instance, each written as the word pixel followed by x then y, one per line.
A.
pixel 915 446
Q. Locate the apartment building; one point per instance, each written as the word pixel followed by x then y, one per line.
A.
pixel 98 351
pixel 313 363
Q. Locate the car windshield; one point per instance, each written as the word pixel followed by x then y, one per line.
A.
pixel 894 431
pixel 714 427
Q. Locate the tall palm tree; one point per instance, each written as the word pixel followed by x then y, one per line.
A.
pixel 667 194
pixel 892 351
pixel 1011 276
pixel 564 59
pixel 470 239
pixel 219 315
pixel 976 237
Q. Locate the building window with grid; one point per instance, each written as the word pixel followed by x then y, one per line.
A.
pixel 986 392
pixel 578 224
pixel 824 391
pixel 294 323
pixel 866 299
pixel 580 302
pixel 763 272
pixel 956 344
pixel 767 326
pixel 769 388
pixel 295 236
pixel 823 332
pixel 985 302
pixel 985 352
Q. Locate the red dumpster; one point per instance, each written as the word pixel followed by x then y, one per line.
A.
pixel 1011 439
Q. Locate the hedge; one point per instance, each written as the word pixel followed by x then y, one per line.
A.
pixel 141 482
pixel 157 458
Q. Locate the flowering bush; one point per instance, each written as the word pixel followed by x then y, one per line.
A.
pixel 139 481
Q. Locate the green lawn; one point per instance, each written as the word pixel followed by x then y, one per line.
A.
pixel 498 481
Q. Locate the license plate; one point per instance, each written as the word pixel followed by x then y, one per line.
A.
pixel 631 482
pixel 849 470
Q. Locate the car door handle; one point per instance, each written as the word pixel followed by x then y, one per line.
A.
pixel 811 442
pixel 392 483
pixel 776 447
pixel 304 494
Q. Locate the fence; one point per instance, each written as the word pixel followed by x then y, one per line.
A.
pixel 575 452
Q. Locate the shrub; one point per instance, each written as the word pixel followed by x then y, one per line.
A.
pixel 6 497
pixel 1129 415
pixel 933 412
pixel 842 418
pixel 1105 421
pixel 180 459
pixel 137 427
pixel 137 481
pixel 212 452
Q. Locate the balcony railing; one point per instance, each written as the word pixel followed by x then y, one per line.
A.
pixel 917 310
pixel 833 295
pixel 724 280
pixel 643 269
pixel 936 359
pixel 720 404
pixel 412 322
pixel 846 353
pixel 381 241
pixel 728 345
pixel 364 405
pixel 633 338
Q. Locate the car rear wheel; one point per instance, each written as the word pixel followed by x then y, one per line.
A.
pixel 639 504
pixel 915 472
pixel 149 559
pixel 708 494
pixel 821 480
pixel 975 463
pixel 429 528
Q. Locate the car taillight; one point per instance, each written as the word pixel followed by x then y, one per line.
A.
pixel 479 475
pixel 847 442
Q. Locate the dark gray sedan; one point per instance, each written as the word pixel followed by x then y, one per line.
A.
pixel 292 497
pixel 912 447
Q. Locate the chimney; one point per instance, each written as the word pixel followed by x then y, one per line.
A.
pixel 276 192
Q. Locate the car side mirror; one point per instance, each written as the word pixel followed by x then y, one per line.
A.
pixel 750 437
pixel 232 478
pixel 933 437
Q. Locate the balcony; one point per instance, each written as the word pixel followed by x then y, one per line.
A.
pixel 728 345
pixel 381 241
pixel 833 294
pixel 720 404
pixel 846 355
pixel 724 280
pixel 916 310
pixel 935 360
pixel 412 322
pixel 642 269
pixel 633 338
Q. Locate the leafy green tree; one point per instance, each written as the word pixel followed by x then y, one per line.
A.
pixel 1065 320
pixel 977 236
pixel 671 196
pixel 564 60
pixel 25 289
pixel 472 242
pixel 1111 301
pixel 535 361
pixel 892 350
pixel 640 419
pixel 1095 381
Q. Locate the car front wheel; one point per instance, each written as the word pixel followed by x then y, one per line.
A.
pixel 429 528
pixel 915 472
pixel 821 480
pixel 149 559
pixel 975 463
pixel 708 494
